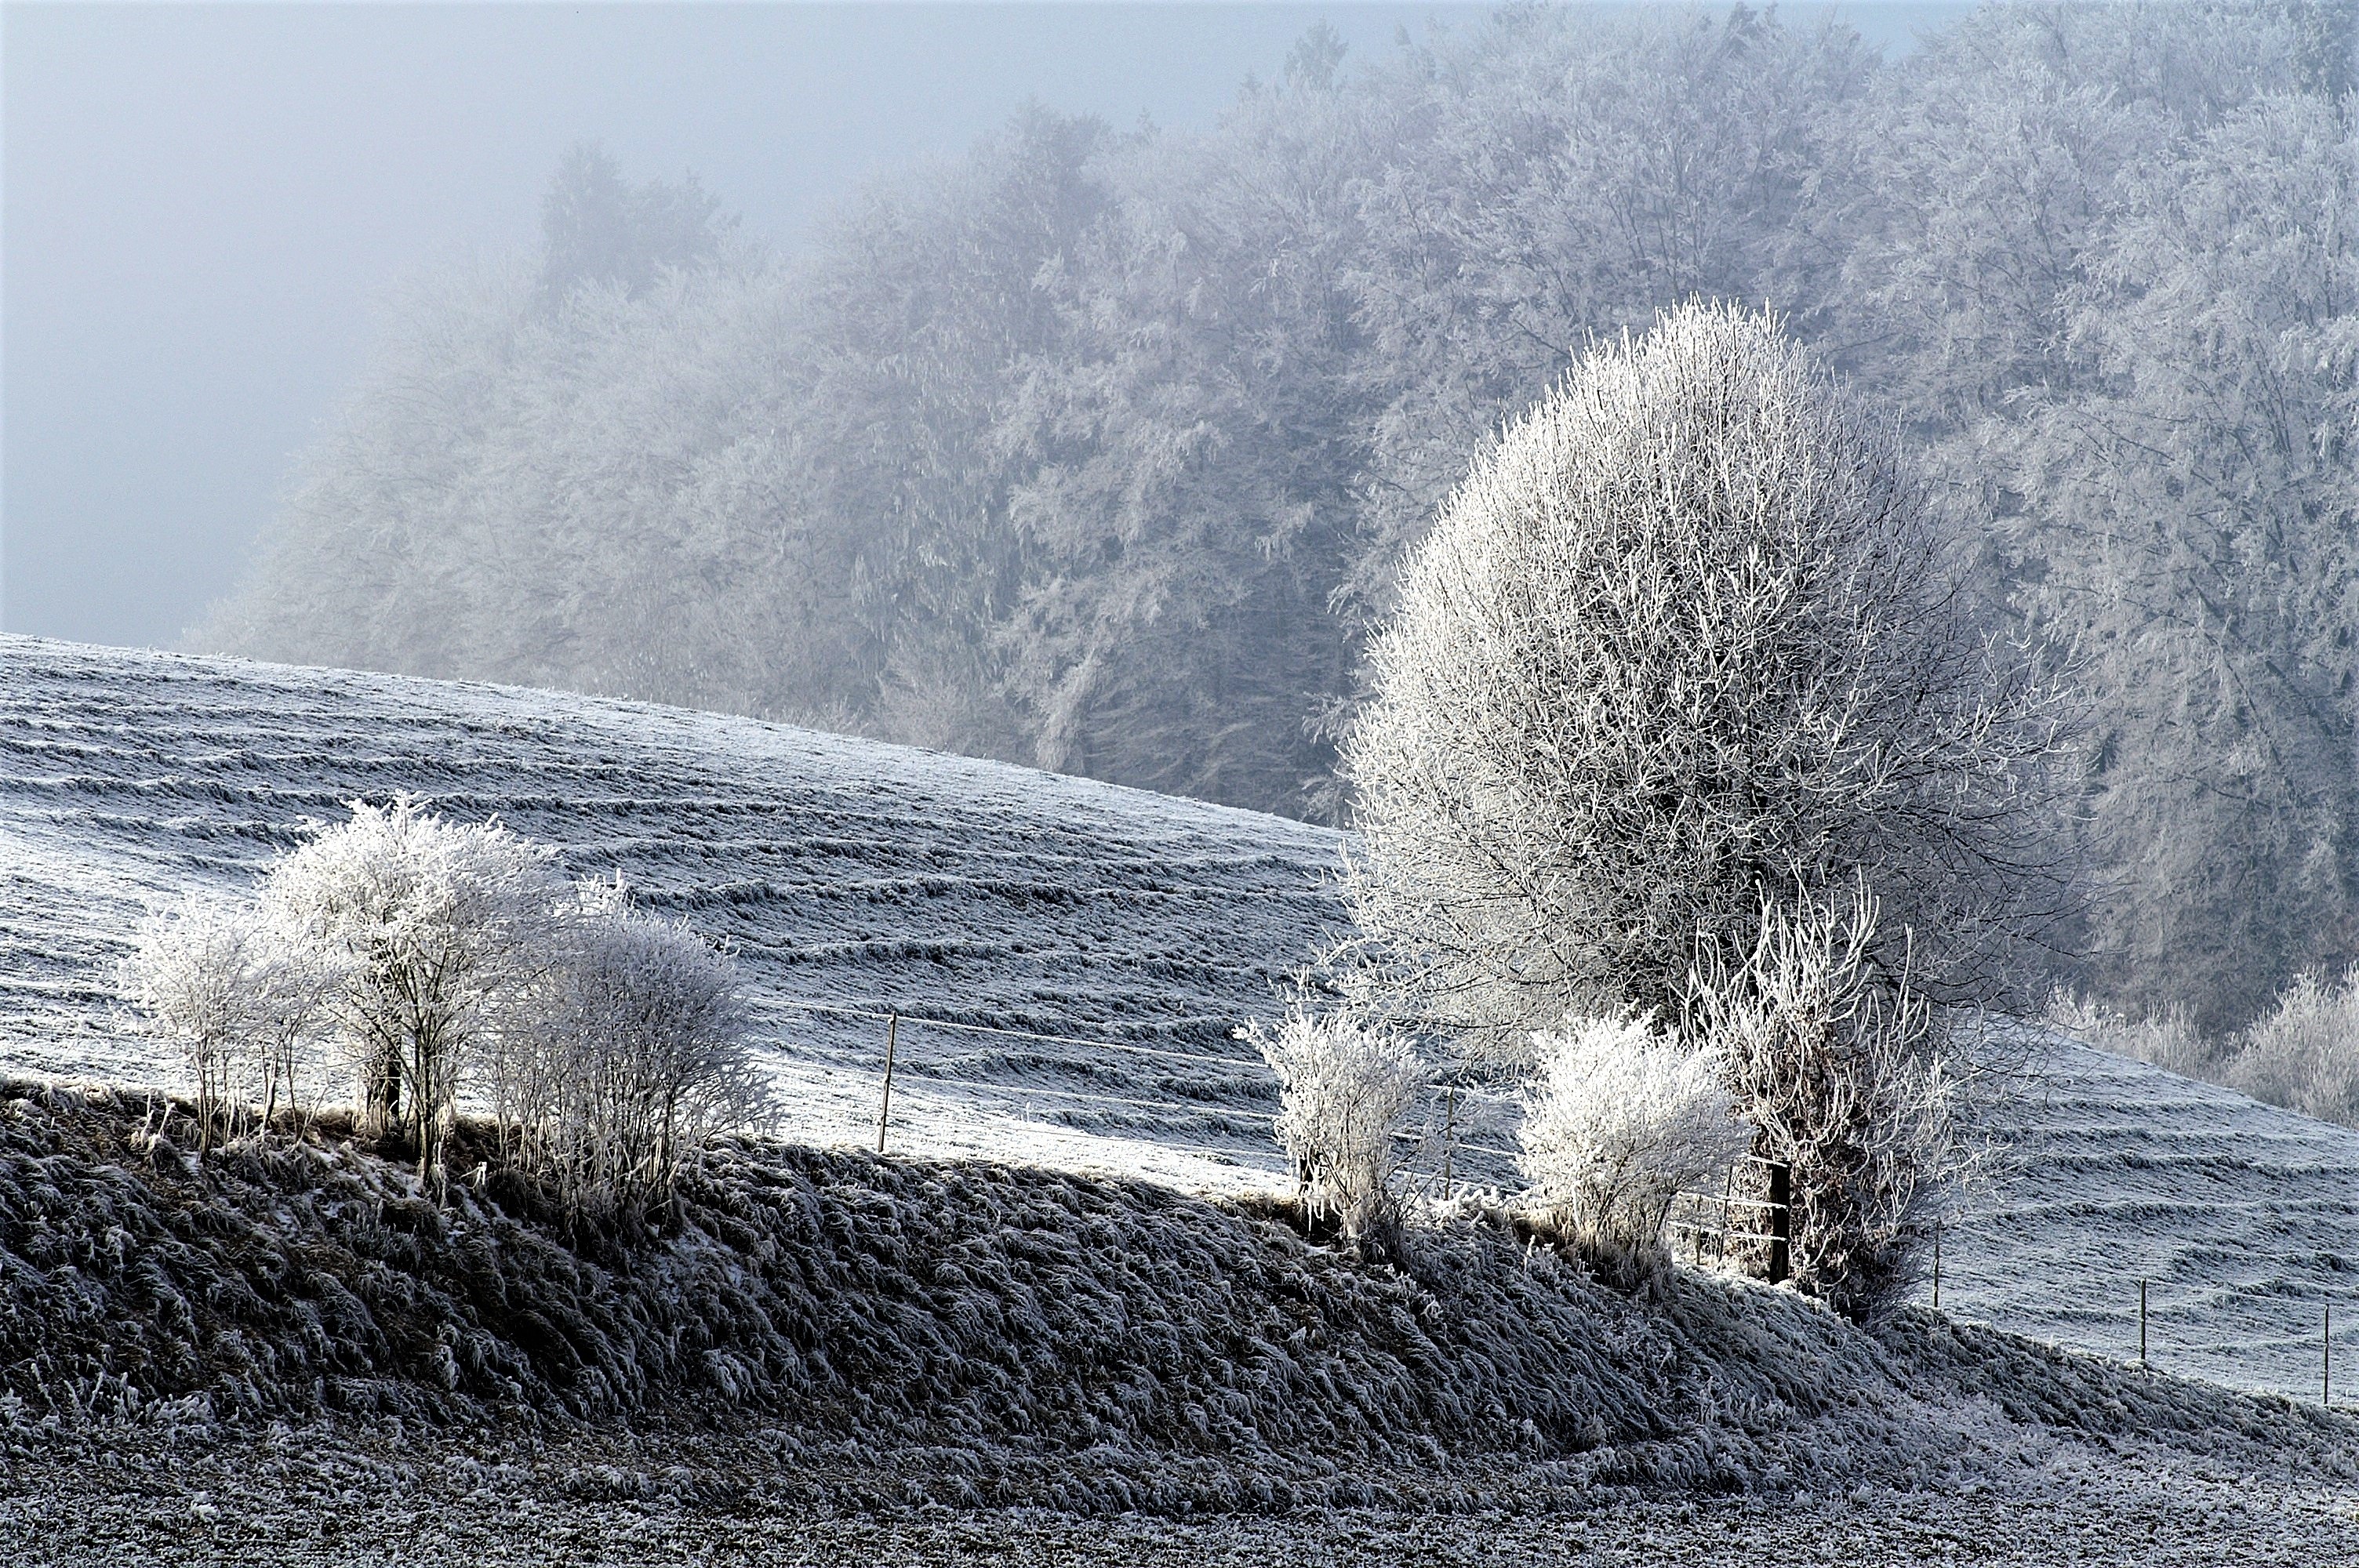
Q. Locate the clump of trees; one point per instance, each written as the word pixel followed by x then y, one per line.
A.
pixel 419 960
pixel 1684 716
pixel 2303 1054
pixel 1101 449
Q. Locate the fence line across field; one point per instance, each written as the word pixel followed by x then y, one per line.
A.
pixel 1722 1234
pixel 883 1013
pixel 893 1019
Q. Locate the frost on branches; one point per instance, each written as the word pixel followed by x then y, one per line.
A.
pixel 635 1059
pixel 437 928
pixel 1345 1094
pixel 242 1005
pixel 1620 1119
pixel 431 957
pixel 1688 632
pixel 1682 694
pixel 1842 1068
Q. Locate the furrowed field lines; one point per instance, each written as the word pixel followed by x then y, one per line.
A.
pixel 932 884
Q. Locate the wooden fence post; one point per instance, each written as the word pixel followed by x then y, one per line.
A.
pixel 1727 1208
pixel 1448 1133
pixel 1937 1265
pixel 885 1111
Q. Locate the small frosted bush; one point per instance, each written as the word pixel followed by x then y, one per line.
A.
pixel 1617 1122
pixel 242 1006
pixel 1345 1091
pixel 1843 1068
pixel 2304 1054
pixel 434 928
pixel 636 1055
pixel 2168 1040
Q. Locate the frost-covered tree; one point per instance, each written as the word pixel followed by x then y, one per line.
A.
pixel 1345 1091
pixel 2190 518
pixel 2303 1054
pixel 1618 1120
pixel 598 228
pixel 242 1005
pixel 435 931
pixel 1103 450
pixel 1689 634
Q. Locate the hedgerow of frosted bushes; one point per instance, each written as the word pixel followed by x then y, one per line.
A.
pixel 410 959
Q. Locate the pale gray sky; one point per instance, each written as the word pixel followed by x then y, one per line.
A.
pixel 202 202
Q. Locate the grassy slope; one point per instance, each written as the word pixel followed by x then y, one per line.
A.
pixel 987 1333
pixel 844 870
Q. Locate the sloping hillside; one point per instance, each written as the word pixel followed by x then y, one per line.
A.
pixel 971 1332
pixel 845 872
pixel 2242 1218
pixel 850 873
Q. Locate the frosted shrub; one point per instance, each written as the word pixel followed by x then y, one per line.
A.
pixel 1838 1064
pixel 1688 628
pixel 1618 1120
pixel 433 929
pixel 2304 1054
pixel 1345 1091
pixel 637 1057
pixel 241 1006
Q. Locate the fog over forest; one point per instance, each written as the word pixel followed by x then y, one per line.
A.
pixel 1099 447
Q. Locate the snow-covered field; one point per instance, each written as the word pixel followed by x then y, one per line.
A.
pixel 851 874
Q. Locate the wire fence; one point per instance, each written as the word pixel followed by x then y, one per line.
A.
pixel 1461 1136
pixel 1443 1142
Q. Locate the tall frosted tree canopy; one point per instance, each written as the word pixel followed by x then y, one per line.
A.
pixel 1688 636
pixel 1102 449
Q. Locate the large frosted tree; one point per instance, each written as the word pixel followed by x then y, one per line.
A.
pixel 1689 638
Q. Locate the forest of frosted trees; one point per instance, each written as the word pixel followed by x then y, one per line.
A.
pixel 1100 450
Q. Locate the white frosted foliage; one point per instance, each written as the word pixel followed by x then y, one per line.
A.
pixel 1618 1121
pixel 239 1003
pixel 1344 1092
pixel 435 927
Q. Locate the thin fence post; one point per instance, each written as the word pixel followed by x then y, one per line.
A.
pixel 1937 1265
pixel 2141 1322
pixel 1448 1133
pixel 885 1111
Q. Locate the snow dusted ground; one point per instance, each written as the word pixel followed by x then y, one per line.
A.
pixel 320 1503
pixel 2242 1218
pixel 845 872
pixel 855 874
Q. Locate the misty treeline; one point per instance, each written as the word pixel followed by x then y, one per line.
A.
pixel 1099 450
